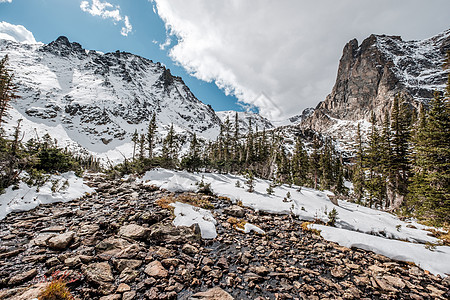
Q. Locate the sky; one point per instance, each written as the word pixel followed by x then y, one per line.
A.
pixel 274 57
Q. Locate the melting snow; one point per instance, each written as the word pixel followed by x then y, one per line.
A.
pixel 65 187
pixel 356 225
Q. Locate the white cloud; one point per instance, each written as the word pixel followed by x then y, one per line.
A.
pixel 282 56
pixel 17 33
pixel 2 1
pixel 107 10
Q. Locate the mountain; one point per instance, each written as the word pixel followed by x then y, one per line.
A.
pixel 95 101
pixel 372 73
pixel 244 119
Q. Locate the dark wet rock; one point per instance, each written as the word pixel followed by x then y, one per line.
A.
pixel 22 277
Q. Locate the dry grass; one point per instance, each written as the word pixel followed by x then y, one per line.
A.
pixel 305 228
pixel 57 288
pixel 188 198
pixel 237 224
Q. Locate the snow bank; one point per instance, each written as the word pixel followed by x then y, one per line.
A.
pixel 187 215
pixel 66 187
pixel 354 221
pixel 436 261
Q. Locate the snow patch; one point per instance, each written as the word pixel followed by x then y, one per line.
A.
pixel 59 188
pixel 187 215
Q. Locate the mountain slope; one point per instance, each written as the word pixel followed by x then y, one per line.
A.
pixel 98 100
pixel 370 75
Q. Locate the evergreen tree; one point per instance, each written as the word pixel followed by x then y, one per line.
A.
pixel 151 131
pixel 430 189
pixel 399 165
pixel 135 140
pixel 193 161
pixel 358 171
pixel 7 88
pixel 315 161
pixel 250 182
pixel 170 148
pixel 300 164
pixel 374 184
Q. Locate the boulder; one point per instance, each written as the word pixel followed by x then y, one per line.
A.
pixel 61 241
pixel 133 231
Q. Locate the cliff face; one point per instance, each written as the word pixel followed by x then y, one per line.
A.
pixel 370 74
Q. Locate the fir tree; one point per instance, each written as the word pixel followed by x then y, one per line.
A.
pixel 399 160
pixel 170 148
pixel 151 131
pixel 299 164
pixel 135 140
pixel 250 182
pixel 358 172
pixel 7 88
pixel 430 189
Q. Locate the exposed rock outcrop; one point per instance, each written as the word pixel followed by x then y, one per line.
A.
pixel 372 73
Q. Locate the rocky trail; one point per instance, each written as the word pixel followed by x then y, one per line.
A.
pixel 118 243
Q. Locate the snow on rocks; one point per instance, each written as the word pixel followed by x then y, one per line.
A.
pixel 59 188
pixel 309 204
pixel 436 261
pixel 187 215
pixel 250 227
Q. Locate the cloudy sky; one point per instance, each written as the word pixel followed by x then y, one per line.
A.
pixel 278 57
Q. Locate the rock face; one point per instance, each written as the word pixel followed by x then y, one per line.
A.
pixel 372 73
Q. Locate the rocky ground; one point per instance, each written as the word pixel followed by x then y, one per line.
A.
pixel 119 244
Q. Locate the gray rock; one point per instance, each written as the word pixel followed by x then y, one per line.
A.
pixel 215 293
pixel 22 277
pixel 61 241
pixel 235 211
pixel 98 272
pixel 133 231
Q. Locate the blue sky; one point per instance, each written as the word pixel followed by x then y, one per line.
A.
pixel 48 19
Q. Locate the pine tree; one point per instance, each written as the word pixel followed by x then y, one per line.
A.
pixel 250 182
pixel 374 184
pixel 7 88
pixel 141 147
pixel 135 140
pixel 314 163
pixel 193 161
pixel 170 148
pixel 399 164
pixel 430 189
pixel 299 164
pixel 358 171
pixel 151 131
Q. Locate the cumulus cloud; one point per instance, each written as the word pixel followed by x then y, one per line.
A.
pixel 282 56
pixel 107 11
pixel 16 33
pixel 2 1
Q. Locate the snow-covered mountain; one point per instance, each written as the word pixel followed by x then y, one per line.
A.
pixel 96 101
pixel 257 121
pixel 372 73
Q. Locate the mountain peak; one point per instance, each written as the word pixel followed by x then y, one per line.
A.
pixel 63 47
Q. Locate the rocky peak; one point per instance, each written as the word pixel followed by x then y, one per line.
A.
pixel 63 47
pixel 372 73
